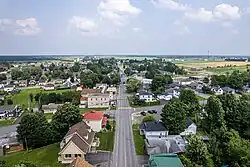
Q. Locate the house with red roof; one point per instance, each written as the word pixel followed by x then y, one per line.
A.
pixel 95 119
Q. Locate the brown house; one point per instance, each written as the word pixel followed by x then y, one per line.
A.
pixel 79 141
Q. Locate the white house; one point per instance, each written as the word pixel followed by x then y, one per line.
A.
pixel 148 97
pixel 146 81
pixel 228 90
pixel 217 90
pixel 50 108
pixel 169 94
pixel 185 82
pixel 49 87
pixel 190 128
pixel 9 88
pixel 95 119
pixel 153 129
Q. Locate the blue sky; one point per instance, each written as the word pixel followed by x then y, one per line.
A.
pixel 125 27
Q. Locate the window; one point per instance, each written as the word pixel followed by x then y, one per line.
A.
pixel 90 99
pixel 79 155
pixel 75 155
pixel 96 99
pixel 101 98
pixel 67 155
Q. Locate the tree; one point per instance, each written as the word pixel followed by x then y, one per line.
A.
pixel 198 153
pixel 215 114
pixel 34 130
pixel 133 85
pixel 2 77
pixel 174 116
pixel 65 116
pixel 37 97
pixel 220 80
pixel 107 80
pixel 235 80
pixel 188 96
pixel 148 118
pixel 128 71
pixel 31 97
pixel 89 83
pixel 9 101
pixel 159 82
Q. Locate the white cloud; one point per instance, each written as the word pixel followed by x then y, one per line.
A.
pixel 4 24
pixel 219 13
pixel 201 15
pixel 248 10
pixel 137 29
pixel 27 26
pixel 117 11
pixel 226 11
pixel 84 25
pixel 171 4
pixel 235 31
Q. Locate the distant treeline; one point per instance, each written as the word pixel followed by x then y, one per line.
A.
pixel 237 59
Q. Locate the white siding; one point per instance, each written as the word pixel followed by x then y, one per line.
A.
pixel 98 101
pixel 96 125
pixel 155 133
pixel 147 98
pixel 190 130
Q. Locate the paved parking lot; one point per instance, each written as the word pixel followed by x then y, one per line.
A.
pixel 100 159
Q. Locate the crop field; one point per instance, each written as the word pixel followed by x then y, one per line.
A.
pixel 205 64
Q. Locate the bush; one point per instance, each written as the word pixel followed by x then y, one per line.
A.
pixel 148 118
pixel 9 102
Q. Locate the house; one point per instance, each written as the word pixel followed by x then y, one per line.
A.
pixel 153 129
pixel 172 144
pixel 164 160
pixel 49 87
pixel 80 162
pixel 143 95
pixel 185 82
pixel 228 90
pixel 32 82
pixel 10 111
pixel 246 89
pixel 68 83
pixel 50 108
pixel 79 141
pixel 146 81
pixel 95 119
pixel 98 100
pixel 9 88
pixel 169 94
pixel 80 88
pixel 217 90
pixel 86 92
pixel 23 83
pixel 111 90
pixel 59 81
pixel 83 102
pixel 42 82
pixel 174 86
pixel 190 128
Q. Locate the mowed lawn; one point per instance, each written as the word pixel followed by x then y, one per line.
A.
pixel 41 157
pixel 106 140
pixel 84 110
pixel 6 122
pixel 23 97
pixel 138 140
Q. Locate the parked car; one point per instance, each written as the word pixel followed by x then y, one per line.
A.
pixel 154 111
pixel 150 112
pixel 143 113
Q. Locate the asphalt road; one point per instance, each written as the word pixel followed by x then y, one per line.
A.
pixel 124 150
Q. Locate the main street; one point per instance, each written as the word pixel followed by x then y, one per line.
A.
pixel 124 150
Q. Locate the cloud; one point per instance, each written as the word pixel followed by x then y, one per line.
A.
pixel 248 10
pixel 220 12
pixel 117 11
pixel 27 26
pixel 235 31
pixel 171 4
pixel 137 29
pixel 84 25
pixel 201 15
pixel 4 24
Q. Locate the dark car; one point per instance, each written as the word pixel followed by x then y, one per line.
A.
pixel 150 112
pixel 143 113
pixel 154 111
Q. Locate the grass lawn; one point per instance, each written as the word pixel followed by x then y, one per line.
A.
pixel 201 98
pixel 106 140
pixel 48 115
pixel 22 98
pixel 83 110
pixel 41 157
pixel 6 122
pixel 139 142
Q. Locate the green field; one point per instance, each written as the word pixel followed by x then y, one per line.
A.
pixel 224 70
pixel 23 98
pixel 139 143
pixel 41 157
pixel 6 122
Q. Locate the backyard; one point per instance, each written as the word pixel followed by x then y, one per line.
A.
pixel 23 98
pixel 41 157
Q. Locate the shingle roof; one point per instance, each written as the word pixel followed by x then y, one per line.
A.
pixel 189 122
pixel 144 93
pixel 88 91
pixel 77 140
pixel 153 126
pixel 93 115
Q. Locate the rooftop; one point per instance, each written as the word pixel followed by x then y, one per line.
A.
pixel 153 126
pixel 164 160
pixel 93 115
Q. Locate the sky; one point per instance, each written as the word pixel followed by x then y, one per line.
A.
pixel 138 27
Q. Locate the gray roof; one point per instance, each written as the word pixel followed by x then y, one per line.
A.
pixel 227 89
pixel 189 122
pixel 144 93
pixel 153 126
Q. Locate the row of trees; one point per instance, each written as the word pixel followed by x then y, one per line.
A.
pixel 26 73
pixel 35 131
pixel 235 80
pixel 225 119
pixel 46 98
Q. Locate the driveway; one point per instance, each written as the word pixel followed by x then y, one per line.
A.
pixel 100 159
